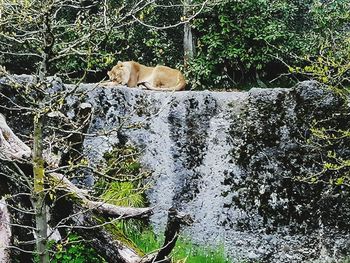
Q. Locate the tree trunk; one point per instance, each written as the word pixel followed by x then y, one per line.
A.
pixel 39 192
pixel 38 160
pixel 189 49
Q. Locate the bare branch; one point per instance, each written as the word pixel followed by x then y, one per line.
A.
pixel 100 207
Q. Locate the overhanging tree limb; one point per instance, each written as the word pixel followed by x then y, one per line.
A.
pixel 12 148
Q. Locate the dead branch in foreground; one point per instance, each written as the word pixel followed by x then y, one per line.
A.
pixel 83 219
pixel 5 232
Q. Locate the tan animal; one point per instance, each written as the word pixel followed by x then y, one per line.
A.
pixel 132 74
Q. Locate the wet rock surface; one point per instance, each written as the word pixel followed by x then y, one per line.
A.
pixel 231 160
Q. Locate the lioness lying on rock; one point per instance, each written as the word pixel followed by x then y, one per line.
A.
pixel 132 74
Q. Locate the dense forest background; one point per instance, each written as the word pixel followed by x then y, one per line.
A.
pixel 237 43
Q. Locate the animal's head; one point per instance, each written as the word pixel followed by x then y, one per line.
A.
pixel 120 73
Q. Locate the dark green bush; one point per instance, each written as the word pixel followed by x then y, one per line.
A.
pixel 237 42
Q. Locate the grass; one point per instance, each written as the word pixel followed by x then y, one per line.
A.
pixel 123 194
pixel 123 164
pixel 185 251
pixel 189 253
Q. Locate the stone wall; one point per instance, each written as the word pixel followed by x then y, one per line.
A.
pixel 230 159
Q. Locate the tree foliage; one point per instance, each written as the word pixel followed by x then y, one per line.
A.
pixel 236 41
pixel 240 41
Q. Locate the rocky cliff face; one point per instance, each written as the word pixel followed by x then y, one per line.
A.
pixel 233 161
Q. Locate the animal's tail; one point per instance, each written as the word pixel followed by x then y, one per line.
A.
pixel 181 82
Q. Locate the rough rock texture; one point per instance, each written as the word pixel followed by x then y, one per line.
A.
pixel 5 233
pixel 230 160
